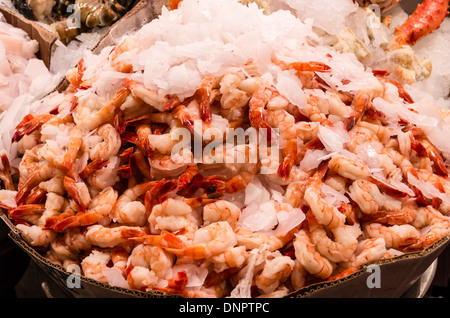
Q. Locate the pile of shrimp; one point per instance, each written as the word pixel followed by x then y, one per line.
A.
pixel 98 185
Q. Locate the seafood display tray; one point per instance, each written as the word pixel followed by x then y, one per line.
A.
pixel 45 286
pixel 401 276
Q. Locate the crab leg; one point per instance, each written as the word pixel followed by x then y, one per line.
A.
pixel 427 18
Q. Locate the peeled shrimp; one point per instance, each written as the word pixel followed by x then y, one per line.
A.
pixel 350 168
pixel 163 143
pixel 208 241
pixel 153 258
pixel 91 113
pixel 26 211
pixel 116 58
pixel 332 102
pixel 402 162
pixel 61 251
pixel 101 236
pixel 295 193
pixel 106 176
pixel 339 249
pixel 369 250
pixel 93 266
pixel 245 170
pixel 298 275
pixel 406 214
pixel 140 277
pixel 233 98
pixel 326 214
pixel 359 105
pixel 31 160
pixel 171 165
pixel 287 138
pixel 36 235
pixel 383 133
pixel 313 112
pixel 206 96
pixel 138 90
pixel 252 240
pixel 99 208
pixel 221 211
pixel 172 215
pixel 55 184
pixel 43 173
pixel 109 146
pixel 438 227
pixel 309 258
pixel 75 143
pixel 257 107
pixel 275 272
pixel 395 236
pixel 76 240
pixel 128 209
pixel 360 135
pixel 366 195
pixel 234 257
pixel 78 193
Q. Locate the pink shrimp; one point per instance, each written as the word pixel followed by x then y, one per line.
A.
pixel 438 228
pixel 5 173
pixel 425 148
pixel 206 98
pixel 99 208
pixel 257 104
pixel 25 210
pixel 29 124
pixel 326 214
pixel 360 104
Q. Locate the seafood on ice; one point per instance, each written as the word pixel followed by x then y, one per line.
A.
pixel 130 173
pixel 377 32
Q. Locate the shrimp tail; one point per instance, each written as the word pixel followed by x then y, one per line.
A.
pixel 72 190
pixel 412 243
pixel 81 219
pixel 360 104
pixel 419 243
pixel 171 103
pixel 25 210
pixel 390 218
pixel 186 119
pixel 310 67
pixel 158 193
pixel 29 124
pixel 71 153
pixel 186 177
pixel 93 166
pixel 175 285
pixel 288 161
pixel 165 240
pixel 32 180
pixel 344 273
pixel 424 148
pixel 5 173
pixel 401 90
